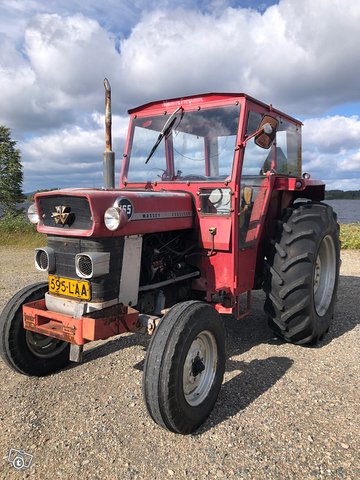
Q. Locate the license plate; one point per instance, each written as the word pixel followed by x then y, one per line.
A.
pixel 69 287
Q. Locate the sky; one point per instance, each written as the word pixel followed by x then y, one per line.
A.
pixel 303 56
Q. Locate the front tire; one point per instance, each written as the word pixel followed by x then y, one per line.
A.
pixel 24 351
pixel 302 274
pixel 184 367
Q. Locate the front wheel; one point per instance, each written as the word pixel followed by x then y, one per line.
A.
pixel 184 367
pixel 302 274
pixel 24 351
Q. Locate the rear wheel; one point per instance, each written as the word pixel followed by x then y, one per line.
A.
pixel 302 274
pixel 24 351
pixel 184 367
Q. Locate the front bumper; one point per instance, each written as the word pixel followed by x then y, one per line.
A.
pixel 97 325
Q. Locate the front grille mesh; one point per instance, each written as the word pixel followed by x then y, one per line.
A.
pixel 78 209
pixel 43 260
pixel 85 265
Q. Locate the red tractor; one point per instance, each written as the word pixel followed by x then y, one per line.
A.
pixel 211 205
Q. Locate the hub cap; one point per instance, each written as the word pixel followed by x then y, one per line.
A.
pixel 200 368
pixel 324 275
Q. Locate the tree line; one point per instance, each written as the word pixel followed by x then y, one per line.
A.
pixel 341 194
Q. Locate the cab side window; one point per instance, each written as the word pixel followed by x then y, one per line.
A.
pixel 287 148
pixel 257 160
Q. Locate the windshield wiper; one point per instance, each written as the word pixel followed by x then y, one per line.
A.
pixel 165 130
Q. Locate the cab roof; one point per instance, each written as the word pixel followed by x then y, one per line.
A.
pixel 205 98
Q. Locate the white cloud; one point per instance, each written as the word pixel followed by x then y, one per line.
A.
pixel 331 150
pixel 58 75
pixel 69 55
pixel 71 156
pixel 293 55
pixel 333 133
pixel 300 56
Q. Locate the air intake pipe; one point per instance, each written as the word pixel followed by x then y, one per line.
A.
pixel 109 155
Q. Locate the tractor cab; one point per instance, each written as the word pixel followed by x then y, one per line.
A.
pixel 203 139
pixel 229 151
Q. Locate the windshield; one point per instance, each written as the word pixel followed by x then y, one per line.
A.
pixel 199 146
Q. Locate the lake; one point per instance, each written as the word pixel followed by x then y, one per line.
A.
pixel 348 211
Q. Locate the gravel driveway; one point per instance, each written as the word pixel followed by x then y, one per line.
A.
pixel 284 412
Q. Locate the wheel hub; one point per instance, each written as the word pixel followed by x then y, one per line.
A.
pixel 197 366
pixel 43 346
pixel 324 275
pixel 200 368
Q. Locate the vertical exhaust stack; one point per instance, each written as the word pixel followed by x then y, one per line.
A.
pixel 109 155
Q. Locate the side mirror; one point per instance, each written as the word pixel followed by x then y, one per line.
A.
pixel 247 195
pixel 266 131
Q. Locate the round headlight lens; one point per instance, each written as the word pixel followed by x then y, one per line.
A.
pixel 32 214
pixel 112 218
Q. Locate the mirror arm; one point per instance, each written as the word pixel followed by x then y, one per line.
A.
pixel 244 142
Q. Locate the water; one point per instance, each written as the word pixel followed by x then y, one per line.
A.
pixel 348 211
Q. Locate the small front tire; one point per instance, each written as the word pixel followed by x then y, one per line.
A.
pixel 24 351
pixel 184 367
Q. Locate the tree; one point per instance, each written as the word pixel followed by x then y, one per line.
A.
pixel 11 176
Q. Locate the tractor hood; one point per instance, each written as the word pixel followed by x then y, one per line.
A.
pixel 80 212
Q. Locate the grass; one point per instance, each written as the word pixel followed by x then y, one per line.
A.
pixel 350 236
pixel 17 231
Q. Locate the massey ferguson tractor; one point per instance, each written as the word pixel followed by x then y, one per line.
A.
pixel 211 204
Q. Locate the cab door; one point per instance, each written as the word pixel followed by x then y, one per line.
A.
pixel 255 188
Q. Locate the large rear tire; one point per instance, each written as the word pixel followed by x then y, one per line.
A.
pixel 184 367
pixel 24 351
pixel 302 274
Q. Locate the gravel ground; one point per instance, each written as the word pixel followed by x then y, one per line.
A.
pixel 284 412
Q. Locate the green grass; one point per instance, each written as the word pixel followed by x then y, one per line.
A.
pixel 350 236
pixel 17 231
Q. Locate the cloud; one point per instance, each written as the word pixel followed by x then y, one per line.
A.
pixel 72 156
pixel 300 56
pixel 331 150
pixel 293 55
pixel 59 74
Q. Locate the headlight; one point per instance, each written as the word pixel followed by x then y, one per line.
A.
pixel 112 218
pixel 32 214
pixel 118 215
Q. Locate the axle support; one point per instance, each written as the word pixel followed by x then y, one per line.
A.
pixel 97 325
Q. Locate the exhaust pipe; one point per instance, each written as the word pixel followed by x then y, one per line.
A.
pixel 109 155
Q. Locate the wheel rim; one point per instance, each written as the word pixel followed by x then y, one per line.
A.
pixel 200 368
pixel 44 346
pixel 324 275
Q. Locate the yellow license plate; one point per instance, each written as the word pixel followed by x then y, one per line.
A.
pixel 69 287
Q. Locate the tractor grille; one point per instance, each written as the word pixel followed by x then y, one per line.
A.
pixel 77 208
pixel 43 260
pixel 103 288
pixel 85 265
